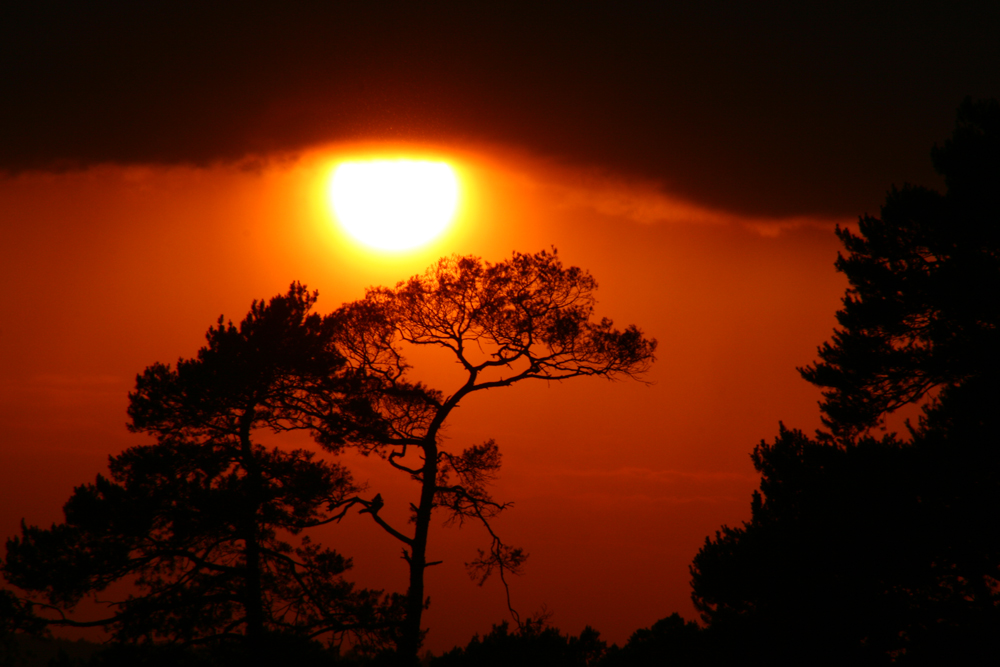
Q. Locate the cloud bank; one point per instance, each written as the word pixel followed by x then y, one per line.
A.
pixel 770 111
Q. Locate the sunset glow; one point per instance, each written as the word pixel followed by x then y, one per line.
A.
pixel 745 309
pixel 294 302
pixel 394 204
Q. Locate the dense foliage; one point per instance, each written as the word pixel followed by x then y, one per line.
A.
pixel 532 645
pixel 923 306
pixel 865 548
pixel 200 524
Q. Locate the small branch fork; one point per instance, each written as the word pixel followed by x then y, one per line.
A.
pixel 369 507
pixel 501 556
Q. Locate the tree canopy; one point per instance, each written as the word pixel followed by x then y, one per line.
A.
pixel 200 524
pixel 923 306
pixel 868 549
pixel 526 318
pixel 532 645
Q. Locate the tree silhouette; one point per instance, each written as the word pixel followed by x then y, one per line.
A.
pixel 830 559
pixel 865 549
pixel 16 617
pixel 200 521
pixel 670 641
pixel 872 550
pixel 532 645
pixel 924 298
pixel 527 318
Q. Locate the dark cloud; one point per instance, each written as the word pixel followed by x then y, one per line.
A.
pixel 752 107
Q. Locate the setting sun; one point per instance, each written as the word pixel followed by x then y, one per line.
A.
pixel 394 204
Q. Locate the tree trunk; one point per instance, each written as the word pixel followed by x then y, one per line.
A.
pixel 410 635
pixel 252 595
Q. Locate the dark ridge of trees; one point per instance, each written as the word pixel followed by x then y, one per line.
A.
pixel 17 621
pixel 283 649
pixel 868 548
pixel 526 318
pixel 28 650
pixel 201 524
pixel 534 644
pixel 670 641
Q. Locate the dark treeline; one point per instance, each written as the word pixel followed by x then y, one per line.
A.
pixel 864 546
pixel 867 547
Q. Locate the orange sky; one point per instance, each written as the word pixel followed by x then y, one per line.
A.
pixel 615 484
pixel 572 125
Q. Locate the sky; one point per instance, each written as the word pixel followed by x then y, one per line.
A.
pixel 165 163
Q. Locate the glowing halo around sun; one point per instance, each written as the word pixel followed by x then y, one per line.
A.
pixel 394 204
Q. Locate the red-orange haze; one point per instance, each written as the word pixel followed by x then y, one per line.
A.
pixel 615 485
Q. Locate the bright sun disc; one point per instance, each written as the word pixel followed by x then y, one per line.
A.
pixel 394 204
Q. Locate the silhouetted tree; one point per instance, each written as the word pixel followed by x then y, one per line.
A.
pixel 527 318
pixel 923 306
pixel 875 549
pixel 281 649
pixel 827 568
pixel 532 645
pixel 16 618
pixel 869 550
pixel 200 522
pixel 670 642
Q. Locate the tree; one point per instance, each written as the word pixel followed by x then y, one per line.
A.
pixel 670 641
pixel 16 618
pixel 527 318
pixel 827 567
pixel 923 306
pixel 876 549
pixel 533 645
pixel 200 521
pixel 868 549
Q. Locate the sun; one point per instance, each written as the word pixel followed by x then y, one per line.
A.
pixel 394 204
